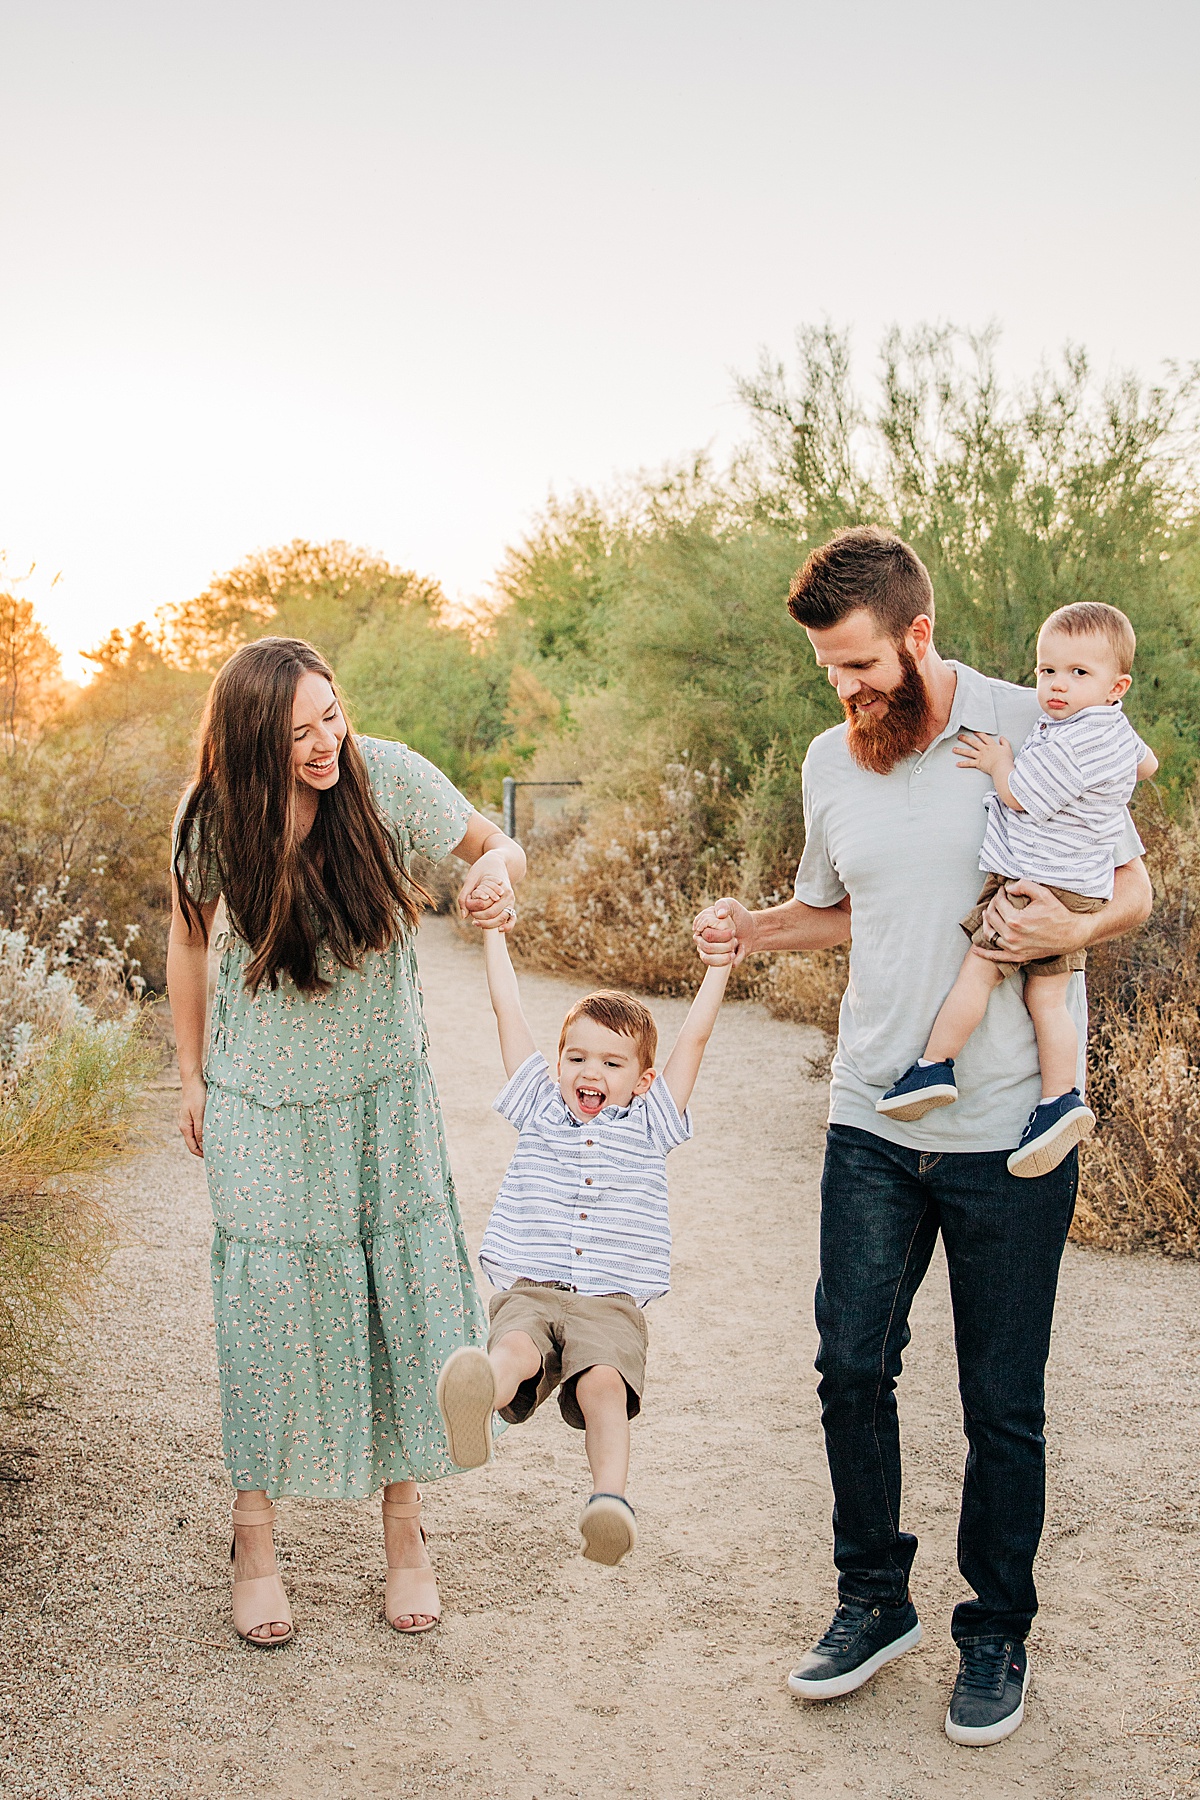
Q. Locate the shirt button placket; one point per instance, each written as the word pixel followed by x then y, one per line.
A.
pixel 587 1181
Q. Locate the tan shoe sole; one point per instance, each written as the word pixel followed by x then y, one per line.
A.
pixel 466 1397
pixel 608 1530
pixel 1071 1131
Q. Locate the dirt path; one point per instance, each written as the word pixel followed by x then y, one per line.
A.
pixel 119 1675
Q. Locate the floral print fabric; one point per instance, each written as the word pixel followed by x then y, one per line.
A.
pixel 340 1275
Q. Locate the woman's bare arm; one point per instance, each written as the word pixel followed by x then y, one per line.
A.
pixel 187 988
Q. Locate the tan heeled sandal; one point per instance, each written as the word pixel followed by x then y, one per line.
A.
pixel 260 1601
pixel 410 1591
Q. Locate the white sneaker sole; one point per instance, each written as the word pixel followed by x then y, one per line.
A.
pixel 466 1397
pixel 1046 1152
pixel 834 1685
pixel 907 1107
pixel 990 1734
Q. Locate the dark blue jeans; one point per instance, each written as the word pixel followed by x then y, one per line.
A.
pixel 881 1210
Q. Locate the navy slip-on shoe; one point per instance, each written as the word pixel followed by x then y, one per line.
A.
pixel 1054 1128
pixel 919 1090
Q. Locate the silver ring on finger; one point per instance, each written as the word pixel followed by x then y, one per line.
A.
pixel 511 914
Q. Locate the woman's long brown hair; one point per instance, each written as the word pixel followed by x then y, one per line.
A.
pixel 344 884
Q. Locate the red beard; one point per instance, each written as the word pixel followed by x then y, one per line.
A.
pixel 880 743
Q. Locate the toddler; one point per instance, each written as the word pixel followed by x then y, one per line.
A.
pixel 1055 816
pixel 578 1241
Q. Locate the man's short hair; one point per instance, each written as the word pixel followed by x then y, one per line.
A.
pixel 864 566
pixel 1089 618
pixel 620 1013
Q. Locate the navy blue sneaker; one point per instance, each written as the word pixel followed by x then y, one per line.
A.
pixel 988 1702
pixel 860 1639
pixel 1054 1128
pixel 919 1090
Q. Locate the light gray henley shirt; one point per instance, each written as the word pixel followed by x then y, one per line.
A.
pixel 905 848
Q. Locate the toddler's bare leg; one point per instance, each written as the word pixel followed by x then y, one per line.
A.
pixel 1057 1038
pixel 516 1358
pixel 600 1391
pixel 963 1008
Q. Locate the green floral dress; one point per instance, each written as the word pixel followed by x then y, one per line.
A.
pixel 340 1275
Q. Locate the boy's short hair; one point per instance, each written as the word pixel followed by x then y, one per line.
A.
pixel 1088 618
pixel 620 1013
pixel 864 566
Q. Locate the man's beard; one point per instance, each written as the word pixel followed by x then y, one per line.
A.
pixel 880 743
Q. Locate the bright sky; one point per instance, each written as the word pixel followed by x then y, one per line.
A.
pixel 390 272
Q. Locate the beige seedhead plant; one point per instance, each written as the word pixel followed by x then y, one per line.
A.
pixel 69 1085
pixel 1140 1186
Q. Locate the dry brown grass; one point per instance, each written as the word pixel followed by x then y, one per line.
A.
pixel 67 1112
pixel 1140 1186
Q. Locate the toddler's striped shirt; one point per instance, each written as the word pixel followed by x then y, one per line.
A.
pixel 1073 777
pixel 584 1203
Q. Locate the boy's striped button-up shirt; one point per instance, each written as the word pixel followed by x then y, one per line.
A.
pixel 584 1202
pixel 1073 778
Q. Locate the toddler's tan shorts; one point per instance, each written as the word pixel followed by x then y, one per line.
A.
pixel 1047 965
pixel 573 1332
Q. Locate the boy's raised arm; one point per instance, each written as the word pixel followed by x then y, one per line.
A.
pixel 516 1039
pixel 683 1064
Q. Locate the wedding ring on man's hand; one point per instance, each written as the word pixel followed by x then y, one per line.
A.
pixel 995 940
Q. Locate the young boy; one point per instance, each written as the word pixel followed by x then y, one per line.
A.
pixel 1054 817
pixel 578 1241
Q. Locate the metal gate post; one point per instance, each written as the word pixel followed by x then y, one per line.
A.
pixel 510 806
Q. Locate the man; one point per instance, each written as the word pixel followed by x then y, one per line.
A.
pixel 893 832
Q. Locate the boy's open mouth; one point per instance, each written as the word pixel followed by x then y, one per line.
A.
pixel 589 1100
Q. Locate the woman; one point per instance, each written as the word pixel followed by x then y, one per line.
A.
pixel 340 1275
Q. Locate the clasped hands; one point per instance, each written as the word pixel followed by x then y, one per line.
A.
pixel 486 896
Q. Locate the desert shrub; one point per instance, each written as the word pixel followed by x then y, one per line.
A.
pixel 1141 1173
pixel 1140 1184
pixel 614 895
pixel 807 989
pixel 1021 497
pixel 86 799
pixel 69 1082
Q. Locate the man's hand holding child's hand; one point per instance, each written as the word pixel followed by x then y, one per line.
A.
pixel 720 933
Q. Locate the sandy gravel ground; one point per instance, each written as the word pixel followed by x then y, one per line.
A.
pixel 549 1677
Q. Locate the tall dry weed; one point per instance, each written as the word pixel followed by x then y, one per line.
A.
pixel 68 1090
pixel 1141 1173
pixel 1140 1186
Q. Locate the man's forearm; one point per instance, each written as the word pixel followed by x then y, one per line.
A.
pixel 797 926
pixel 1131 904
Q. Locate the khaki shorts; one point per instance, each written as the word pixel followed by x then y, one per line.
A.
pixel 573 1333
pixel 1046 965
